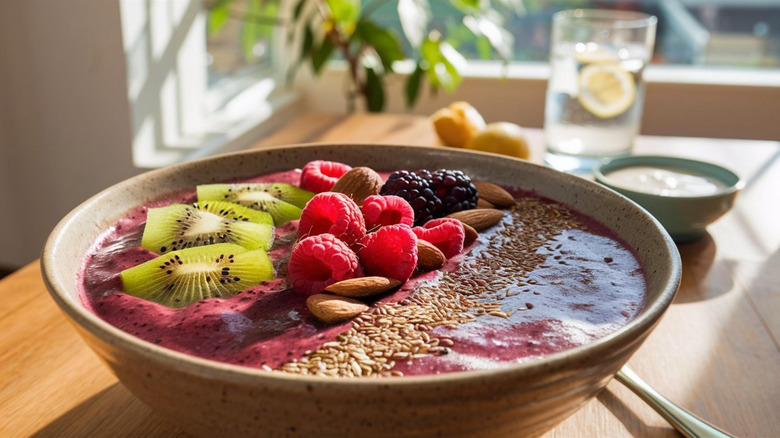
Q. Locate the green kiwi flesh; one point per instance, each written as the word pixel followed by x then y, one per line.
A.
pixel 180 226
pixel 189 275
pixel 283 201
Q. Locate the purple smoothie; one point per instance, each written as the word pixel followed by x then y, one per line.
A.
pixel 544 280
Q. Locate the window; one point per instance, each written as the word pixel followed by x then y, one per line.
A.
pixel 194 92
pixel 715 73
pixel 737 33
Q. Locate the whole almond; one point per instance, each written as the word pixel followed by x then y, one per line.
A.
pixel 359 183
pixel 479 218
pixel 481 203
pixel 363 286
pixel 333 309
pixel 428 256
pixel 494 194
pixel 471 234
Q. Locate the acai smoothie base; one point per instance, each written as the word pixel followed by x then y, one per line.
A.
pixel 544 280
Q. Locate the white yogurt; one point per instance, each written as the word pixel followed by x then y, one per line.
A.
pixel 665 181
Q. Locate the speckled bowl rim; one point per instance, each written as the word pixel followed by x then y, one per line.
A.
pixel 712 170
pixel 220 371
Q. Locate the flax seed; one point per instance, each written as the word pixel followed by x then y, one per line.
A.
pixel 476 289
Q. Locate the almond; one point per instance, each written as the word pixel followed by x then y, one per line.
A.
pixel 428 256
pixel 481 203
pixel 359 183
pixel 479 218
pixel 494 194
pixel 333 309
pixel 471 234
pixel 363 286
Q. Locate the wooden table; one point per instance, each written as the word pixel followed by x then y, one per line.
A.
pixel 716 352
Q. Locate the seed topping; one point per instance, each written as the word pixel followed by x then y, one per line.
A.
pixel 391 332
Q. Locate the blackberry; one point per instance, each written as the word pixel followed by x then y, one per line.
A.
pixel 417 191
pixel 455 190
pixel 425 174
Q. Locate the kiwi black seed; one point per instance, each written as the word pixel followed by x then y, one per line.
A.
pixel 283 201
pixel 180 226
pixel 183 277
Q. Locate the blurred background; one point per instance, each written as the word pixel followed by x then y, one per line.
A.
pixel 95 91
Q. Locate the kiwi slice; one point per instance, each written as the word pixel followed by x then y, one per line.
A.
pixel 180 226
pixel 283 201
pixel 183 277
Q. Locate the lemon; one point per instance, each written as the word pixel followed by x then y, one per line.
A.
pixel 471 117
pixel 606 90
pixel 595 53
pixel 457 124
pixel 501 138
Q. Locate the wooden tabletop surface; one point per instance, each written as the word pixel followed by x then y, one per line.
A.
pixel 716 351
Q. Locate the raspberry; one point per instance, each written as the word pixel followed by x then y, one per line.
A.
pixel 416 191
pixel 320 176
pixel 455 190
pixel 390 252
pixel 334 213
pixel 379 211
pixel 318 261
pixel 447 234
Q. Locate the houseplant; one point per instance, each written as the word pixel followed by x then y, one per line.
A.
pixel 372 36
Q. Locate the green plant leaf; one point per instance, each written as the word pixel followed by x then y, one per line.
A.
pixel 299 20
pixel 218 16
pixel 384 42
pixel 375 93
pixel 321 54
pixel 269 10
pixel 483 47
pixel 413 86
pixel 415 16
pixel 308 42
pixel 470 6
pixel 344 12
pixel 250 31
pixel 444 64
pixel 487 26
pixel 298 9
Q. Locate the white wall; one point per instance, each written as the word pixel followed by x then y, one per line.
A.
pixel 64 118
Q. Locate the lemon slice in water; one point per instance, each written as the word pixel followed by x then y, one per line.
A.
pixel 606 90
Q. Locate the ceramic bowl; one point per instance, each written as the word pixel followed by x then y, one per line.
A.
pixel 215 399
pixel 685 216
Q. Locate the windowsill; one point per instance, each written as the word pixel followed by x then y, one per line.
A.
pixel 682 74
pixel 250 115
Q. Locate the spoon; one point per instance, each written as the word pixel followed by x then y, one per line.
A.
pixel 685 422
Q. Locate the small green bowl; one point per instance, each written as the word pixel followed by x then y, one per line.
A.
pixel 685 216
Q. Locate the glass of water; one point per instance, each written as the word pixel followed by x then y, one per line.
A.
pixel 595 92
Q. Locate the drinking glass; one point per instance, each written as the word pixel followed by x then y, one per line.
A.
pixel 595 92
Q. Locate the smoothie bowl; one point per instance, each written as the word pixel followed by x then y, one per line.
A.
pixel 506 335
